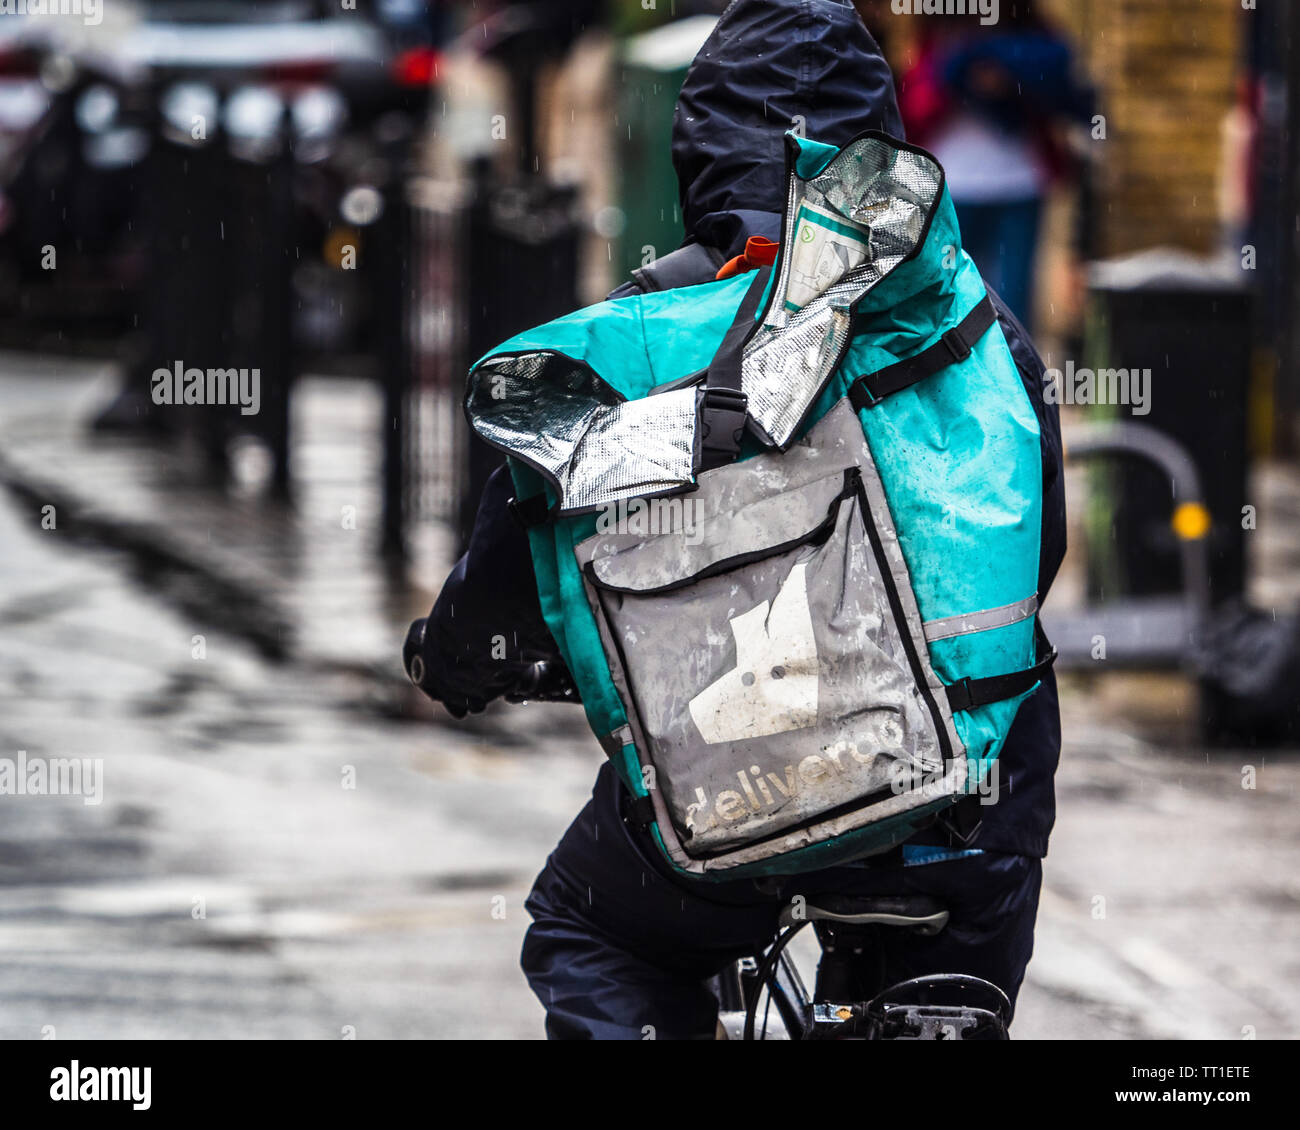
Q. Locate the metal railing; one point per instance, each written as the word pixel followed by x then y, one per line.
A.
pixel 434 467
pixel 1160 630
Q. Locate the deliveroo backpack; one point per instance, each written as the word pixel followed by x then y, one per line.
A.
pixel 785 526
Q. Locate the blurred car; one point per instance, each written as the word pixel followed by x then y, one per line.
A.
pixel 64 202
pixel 80 116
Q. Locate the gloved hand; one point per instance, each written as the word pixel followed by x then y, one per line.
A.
pixel 453 655
pixel 526 679
pixel 458 704
pixel 546 680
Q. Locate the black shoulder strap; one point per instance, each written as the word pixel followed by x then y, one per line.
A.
pixel 970 693
pixel 956 345
pixel 722 405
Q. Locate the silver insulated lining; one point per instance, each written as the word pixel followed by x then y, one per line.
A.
pixel 596 448
pixel 886 195
pixel 869 209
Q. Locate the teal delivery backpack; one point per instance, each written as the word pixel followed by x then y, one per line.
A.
pixel 785 525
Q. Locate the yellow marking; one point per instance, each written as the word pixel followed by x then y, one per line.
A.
pixel 337 241
pixel 1191 521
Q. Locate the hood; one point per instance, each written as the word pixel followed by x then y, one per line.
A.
pixel 769 66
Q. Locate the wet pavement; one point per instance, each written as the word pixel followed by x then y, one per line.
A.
pixel 297 847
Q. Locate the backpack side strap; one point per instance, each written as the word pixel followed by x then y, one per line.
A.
pixel 955 346
pixel 722 405
pixel 970 693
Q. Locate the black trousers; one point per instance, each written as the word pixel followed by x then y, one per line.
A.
pixel 621 948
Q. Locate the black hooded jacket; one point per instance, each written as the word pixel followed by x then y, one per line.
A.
pixel 808 65
pixel 769 66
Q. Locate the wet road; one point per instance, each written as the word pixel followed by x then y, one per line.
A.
pixel 325 907
pixel 278 854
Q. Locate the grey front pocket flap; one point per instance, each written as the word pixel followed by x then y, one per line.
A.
pixel 763 637
pixel 692 544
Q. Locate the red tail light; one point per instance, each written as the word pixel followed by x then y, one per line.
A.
pixel 305 72
pixel 18 64
pixel 417 66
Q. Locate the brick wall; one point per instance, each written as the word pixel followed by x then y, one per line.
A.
pixel 1166 72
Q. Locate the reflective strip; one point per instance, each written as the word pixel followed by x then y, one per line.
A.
pixel 613 742
pixel 981 621
pixel 917 855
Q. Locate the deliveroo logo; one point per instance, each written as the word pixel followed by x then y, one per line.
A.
pixel 773 687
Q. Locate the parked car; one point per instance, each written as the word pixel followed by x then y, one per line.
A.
pixel 81 116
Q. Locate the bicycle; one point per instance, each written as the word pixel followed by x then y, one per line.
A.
pixel 845 1004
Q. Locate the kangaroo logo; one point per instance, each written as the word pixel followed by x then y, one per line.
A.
pixel 773 687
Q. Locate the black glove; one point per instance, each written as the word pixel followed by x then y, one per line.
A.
pixel 491 594
pixel 421 673
pixel 547 680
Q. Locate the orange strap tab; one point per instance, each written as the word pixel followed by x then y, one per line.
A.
pixel 759 252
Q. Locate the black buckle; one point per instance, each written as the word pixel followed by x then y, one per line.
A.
pixel 529 512
pixel 861 395
pixel 723 413
pixel 957 344
pixel 960 696
pixel 639 810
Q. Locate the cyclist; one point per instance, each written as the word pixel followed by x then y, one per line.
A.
pixel 619 947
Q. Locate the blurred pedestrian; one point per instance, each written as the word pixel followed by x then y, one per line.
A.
pixel 990 103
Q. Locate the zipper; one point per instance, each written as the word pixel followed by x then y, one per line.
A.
pixel 819 533
pixel 900 618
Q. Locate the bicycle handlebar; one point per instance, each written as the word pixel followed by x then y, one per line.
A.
pixel 544 681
